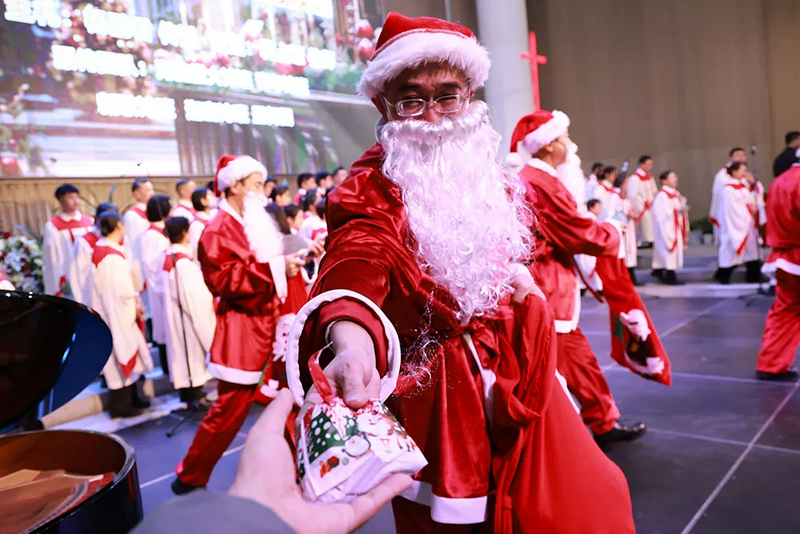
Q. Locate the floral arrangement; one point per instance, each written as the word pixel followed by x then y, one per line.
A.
pixel 21 256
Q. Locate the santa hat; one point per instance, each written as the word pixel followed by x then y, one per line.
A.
pixel 232 169
pixel 536 131
pixel 407 43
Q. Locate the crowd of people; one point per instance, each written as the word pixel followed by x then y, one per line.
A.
pixel 426 282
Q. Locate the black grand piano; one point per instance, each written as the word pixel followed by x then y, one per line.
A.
pixel 60 481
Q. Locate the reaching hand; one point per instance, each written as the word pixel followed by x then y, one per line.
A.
pixel 266 474
pixel 293 264
pixel 317 247
pixel 523 286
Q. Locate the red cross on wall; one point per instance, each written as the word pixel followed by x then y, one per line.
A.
pixel 536 60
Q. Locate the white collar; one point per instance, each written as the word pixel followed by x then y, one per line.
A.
pixel 74 217
pixel 175 248
pixel 640 172
pixel 186 204
pixel 141 205
pixel 536 163
pixel 225 206
pixel 108 243
pixel 669 189
pixel 203 215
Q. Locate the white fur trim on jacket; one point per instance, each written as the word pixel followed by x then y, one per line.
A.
pixel 414 48
pixel 546 133
pixel 233 375
pixel 389 380
pixel 237 170
pixel 454 511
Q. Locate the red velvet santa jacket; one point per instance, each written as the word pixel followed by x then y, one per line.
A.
pixel 560 233
pixel 783 222
pixel 248 307
pixel 491 417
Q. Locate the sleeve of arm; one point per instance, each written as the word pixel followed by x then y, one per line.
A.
pixel 232 277
pixel 52 259
pixel 206 512
pixel 199 303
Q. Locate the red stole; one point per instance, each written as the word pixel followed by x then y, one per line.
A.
pixel 139 211
pixel 157 229
pixel 647 205
pixel 739 186
pixel 680 222
pixel 91 238
pixel 71 225
pixel 102 251
pixel 170 259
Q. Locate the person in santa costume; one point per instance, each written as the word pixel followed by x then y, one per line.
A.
pixel 561 233
pixel 781 337
pixel 60 234
pixel 185 207
pixel 202 200
pixel 721 179
pixel 80 270
pixel 189 314
pixel 243 265
pixel 423 296
pixel 741 217
pixel 641 192
pixel 136 217
pixel 670 213
pixel 115 298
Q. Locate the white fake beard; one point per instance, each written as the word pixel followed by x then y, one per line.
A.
pixel 466 214
pixel 266 242
pixel 571 175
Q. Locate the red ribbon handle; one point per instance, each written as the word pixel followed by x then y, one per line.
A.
pixel 318 377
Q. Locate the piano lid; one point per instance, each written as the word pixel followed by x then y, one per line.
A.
pixel 46 343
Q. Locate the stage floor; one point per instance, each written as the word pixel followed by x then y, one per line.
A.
pixel 722 450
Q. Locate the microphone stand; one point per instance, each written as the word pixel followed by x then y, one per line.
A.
pixel 191 406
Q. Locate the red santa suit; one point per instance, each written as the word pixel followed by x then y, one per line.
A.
pixel 136 223
pixel 493 418
pixel 114 297
pixel 782 330
pixel 642 190
pixel 190 318
pixel 670 229
pixel 80 270
pixel 60 234
pixel 243 267
pixel 184 209
pixel 152 245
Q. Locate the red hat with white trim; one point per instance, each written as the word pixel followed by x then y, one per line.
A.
pixel 232 169
pixel 407 43
pixel 536 131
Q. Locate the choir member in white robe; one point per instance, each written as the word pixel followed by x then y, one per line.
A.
pixel 116 300
pixel 136 217
pixel 60 234
pixel 585 263
pixel 80 270
pixel 189 313
pixel 184 207
pixel 593 180
pixel 314 225
pixel 616 206
pixel 739 225
pixel 721 179
pixel 202 200
pixel 153 243
pixel 641 192
pixel 669 212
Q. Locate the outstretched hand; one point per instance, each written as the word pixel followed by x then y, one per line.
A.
pixel 266 474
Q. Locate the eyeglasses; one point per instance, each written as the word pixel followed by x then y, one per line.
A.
pixel 444 105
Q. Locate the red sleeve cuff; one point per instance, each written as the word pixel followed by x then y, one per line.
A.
pixel 316 327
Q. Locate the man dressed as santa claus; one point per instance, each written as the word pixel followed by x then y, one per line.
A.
pixel 422 296
pixel 242 261
pixel 782 330
pixel 561 233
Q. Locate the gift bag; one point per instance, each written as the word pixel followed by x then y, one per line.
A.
pixel 343 453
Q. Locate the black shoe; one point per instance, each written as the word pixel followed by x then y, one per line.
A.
pixel 632 273
pixel 670 278
pixel 787 376
pixel 138 398
pixel 620 432
pixel 125 412
pixel 658 273
pixel 181 488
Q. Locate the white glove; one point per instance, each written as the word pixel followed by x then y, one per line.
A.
pixel 636 322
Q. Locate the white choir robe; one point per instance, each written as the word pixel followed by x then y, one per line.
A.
pixel 80 271
pixel 591 185
pixel 153 244
pixel 670 230
pixel 136 223
pixel 312 227
pixel 60 234
pixel 587 265
pixel 642 191
pixel 738 231
pixel 114 298
pixel 184 209
pixel 603 192
pixel 611 203
pixel 199 319
pixel 721 179
pixel 196 228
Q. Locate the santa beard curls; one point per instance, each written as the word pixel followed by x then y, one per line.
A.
pixel 466 214
pixel 265 240
pixel 571 175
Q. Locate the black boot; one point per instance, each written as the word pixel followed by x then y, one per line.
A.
pixel 181 488
pixel 121 403
pixel 620 432
pixel 790 375
pixel 724 275
pixel 138 398
pixel 754 275
pixel 670 278
pixel 658 273
pixel 162 358
pixel 632 273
